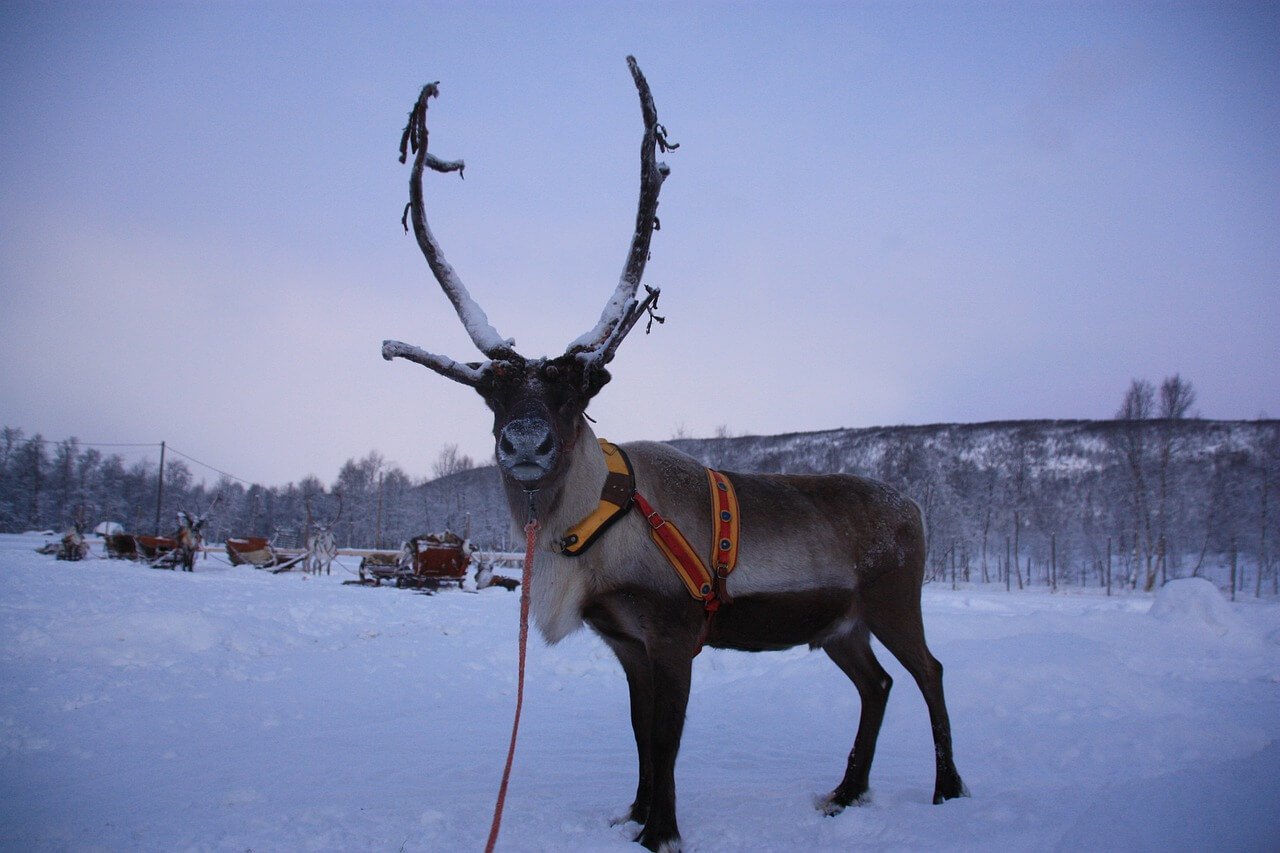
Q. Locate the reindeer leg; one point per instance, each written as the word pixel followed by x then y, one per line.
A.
pixel 635 663
pixel 654 641
pixel 659 686
pixel 900 627
pixel 672 664
pixel 852 653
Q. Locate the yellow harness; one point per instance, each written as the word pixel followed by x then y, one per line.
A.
pixel 619 495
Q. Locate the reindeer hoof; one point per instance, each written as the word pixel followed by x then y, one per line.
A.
pixel 671 845
pixel 635 814
pixel 953 790
pixel 834 803
pixel 659 839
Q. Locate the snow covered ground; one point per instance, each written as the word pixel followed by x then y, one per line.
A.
pixel 233 709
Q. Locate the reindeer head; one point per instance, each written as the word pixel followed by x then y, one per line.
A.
pixel 538 404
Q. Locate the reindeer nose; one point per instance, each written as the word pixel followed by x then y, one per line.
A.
pixel 527 449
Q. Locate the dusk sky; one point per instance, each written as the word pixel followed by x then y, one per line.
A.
pixel 879 213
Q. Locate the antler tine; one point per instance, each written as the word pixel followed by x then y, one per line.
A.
pixel 467 374
pixel 473 317
pixel 622 311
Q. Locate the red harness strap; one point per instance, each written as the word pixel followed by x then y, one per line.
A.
pixel 680 553
pixel 702 584
pixel 724 521
pixel 617 498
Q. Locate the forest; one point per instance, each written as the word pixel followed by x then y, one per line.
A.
pixel 55 485
pixel 1057 502
pixel 1131 501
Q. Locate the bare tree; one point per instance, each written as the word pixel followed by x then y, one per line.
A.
pixel 1137 407
pixel 451 461
pixel 1177 396
pixel 1268 466
pixel 1138 403
pixel 1147 442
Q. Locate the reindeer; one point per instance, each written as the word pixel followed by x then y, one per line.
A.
pixel 321 548
pixel 190 535
pixel 73 546
pixel 826 561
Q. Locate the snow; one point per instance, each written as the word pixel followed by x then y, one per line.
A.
pixel 1196 604
pixel 233 709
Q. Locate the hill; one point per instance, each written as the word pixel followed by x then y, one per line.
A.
pixel 1040 501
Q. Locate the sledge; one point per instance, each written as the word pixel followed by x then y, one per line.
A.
pixel 257 551
pixel 376 567
pixel 157 550
pixel 435 560
pixel 121 546
pixel 430 561
pixel 154 549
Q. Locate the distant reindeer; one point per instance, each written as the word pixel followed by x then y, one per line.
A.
pixel 73 546
pixel 190 535
pixel 321 547
pixel 826 561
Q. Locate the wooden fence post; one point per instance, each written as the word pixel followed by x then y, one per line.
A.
pixel 1233 568
pixel 1007 570
pixel 1108 565
pixel 1053 562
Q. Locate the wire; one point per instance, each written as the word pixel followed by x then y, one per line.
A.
pixel 173 449
pixel 148 444
pixel 80 443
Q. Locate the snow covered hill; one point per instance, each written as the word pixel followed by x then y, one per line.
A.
pixel 1048 492
pixel 236 710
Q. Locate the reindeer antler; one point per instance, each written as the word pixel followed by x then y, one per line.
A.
pixel 328 525
pixel 473 318
pixel 467 374
pixel 622 311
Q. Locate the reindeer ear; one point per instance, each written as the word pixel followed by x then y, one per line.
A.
pixel 594 377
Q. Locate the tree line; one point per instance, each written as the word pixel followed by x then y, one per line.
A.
pixel 1152 493
pixel 59 484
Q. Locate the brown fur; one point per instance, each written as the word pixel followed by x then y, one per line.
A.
pixel 825 561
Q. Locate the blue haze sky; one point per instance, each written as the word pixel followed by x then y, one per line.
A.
pixel 880 213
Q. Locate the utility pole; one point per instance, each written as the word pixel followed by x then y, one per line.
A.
pixel 160 488
pixel 377 533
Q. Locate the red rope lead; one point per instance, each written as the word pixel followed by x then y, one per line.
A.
pixel 531 536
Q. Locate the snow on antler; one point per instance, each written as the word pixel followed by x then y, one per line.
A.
pixel 467 374
pixel 622 310
pixel 473 317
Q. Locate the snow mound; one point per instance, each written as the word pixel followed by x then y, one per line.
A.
pixel 1194 601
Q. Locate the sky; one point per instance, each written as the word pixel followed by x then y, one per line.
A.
pixel 879 213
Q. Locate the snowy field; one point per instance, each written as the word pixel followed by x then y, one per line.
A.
pixel 236 710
